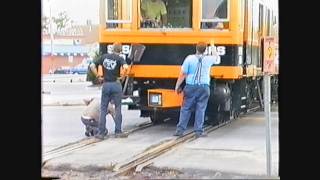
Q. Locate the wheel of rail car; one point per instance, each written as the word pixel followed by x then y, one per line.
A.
pixel 157 117
pixel 236 114
pixel 211 119
pixel 174 116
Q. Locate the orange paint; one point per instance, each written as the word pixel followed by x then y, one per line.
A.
pixel 227 72
pixel 155 71
pixel 163 71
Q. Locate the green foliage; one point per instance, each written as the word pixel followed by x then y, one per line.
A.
pixel 62 21
pixel 90 76
pixel 45 23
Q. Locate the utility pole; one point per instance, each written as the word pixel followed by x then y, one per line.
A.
pixel 268 69
pixel 267 114
pixel 51 37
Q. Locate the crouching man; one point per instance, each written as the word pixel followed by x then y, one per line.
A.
pixel 90 116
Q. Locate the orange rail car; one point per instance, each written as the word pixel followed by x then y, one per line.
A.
pixel 235 27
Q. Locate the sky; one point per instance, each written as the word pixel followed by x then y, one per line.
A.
pixel 78 10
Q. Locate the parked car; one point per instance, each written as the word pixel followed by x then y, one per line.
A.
pixel 62 70
pixel 79 70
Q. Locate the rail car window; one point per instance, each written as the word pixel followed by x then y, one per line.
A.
pixel 274 20
pixel 255 18
pixel 242 15
pixel 118 13
pixel 166 13
pixel 215 14
pixel 268 22
pixel 274 25
pixel 261 18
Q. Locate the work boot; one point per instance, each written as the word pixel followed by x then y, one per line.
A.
pixel 179 134
pixel 87 134
pixel 121 135
pixel 101 136
pixel 201 135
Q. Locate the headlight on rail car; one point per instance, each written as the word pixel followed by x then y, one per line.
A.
pixel 135 93
pixel 155 99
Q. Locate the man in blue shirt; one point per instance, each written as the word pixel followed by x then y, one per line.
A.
pixel 196 71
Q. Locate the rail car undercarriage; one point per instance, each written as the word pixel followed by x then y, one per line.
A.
pixel 228 99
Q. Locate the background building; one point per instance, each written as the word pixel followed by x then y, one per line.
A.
pixel 69 47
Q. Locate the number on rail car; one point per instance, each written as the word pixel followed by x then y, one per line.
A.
pixel 125 49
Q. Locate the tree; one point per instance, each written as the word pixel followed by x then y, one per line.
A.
pixel 90 76
pixel 62 21
pixel 45 23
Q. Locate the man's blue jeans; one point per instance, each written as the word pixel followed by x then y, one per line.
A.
pixel 110 90
pixel 194 96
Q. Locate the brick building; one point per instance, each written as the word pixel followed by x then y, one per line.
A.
pixel 69 48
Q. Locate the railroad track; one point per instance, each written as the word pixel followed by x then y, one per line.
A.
pixel 81 144
pixel 144 159
pixel 139 161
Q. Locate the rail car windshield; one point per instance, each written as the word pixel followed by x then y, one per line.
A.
pixel 215 14
pixel 166 13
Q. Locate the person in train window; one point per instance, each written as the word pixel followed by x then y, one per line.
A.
pixel 154 13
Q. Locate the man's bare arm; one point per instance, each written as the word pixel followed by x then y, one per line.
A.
pixel 181 78
pixel 94 69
